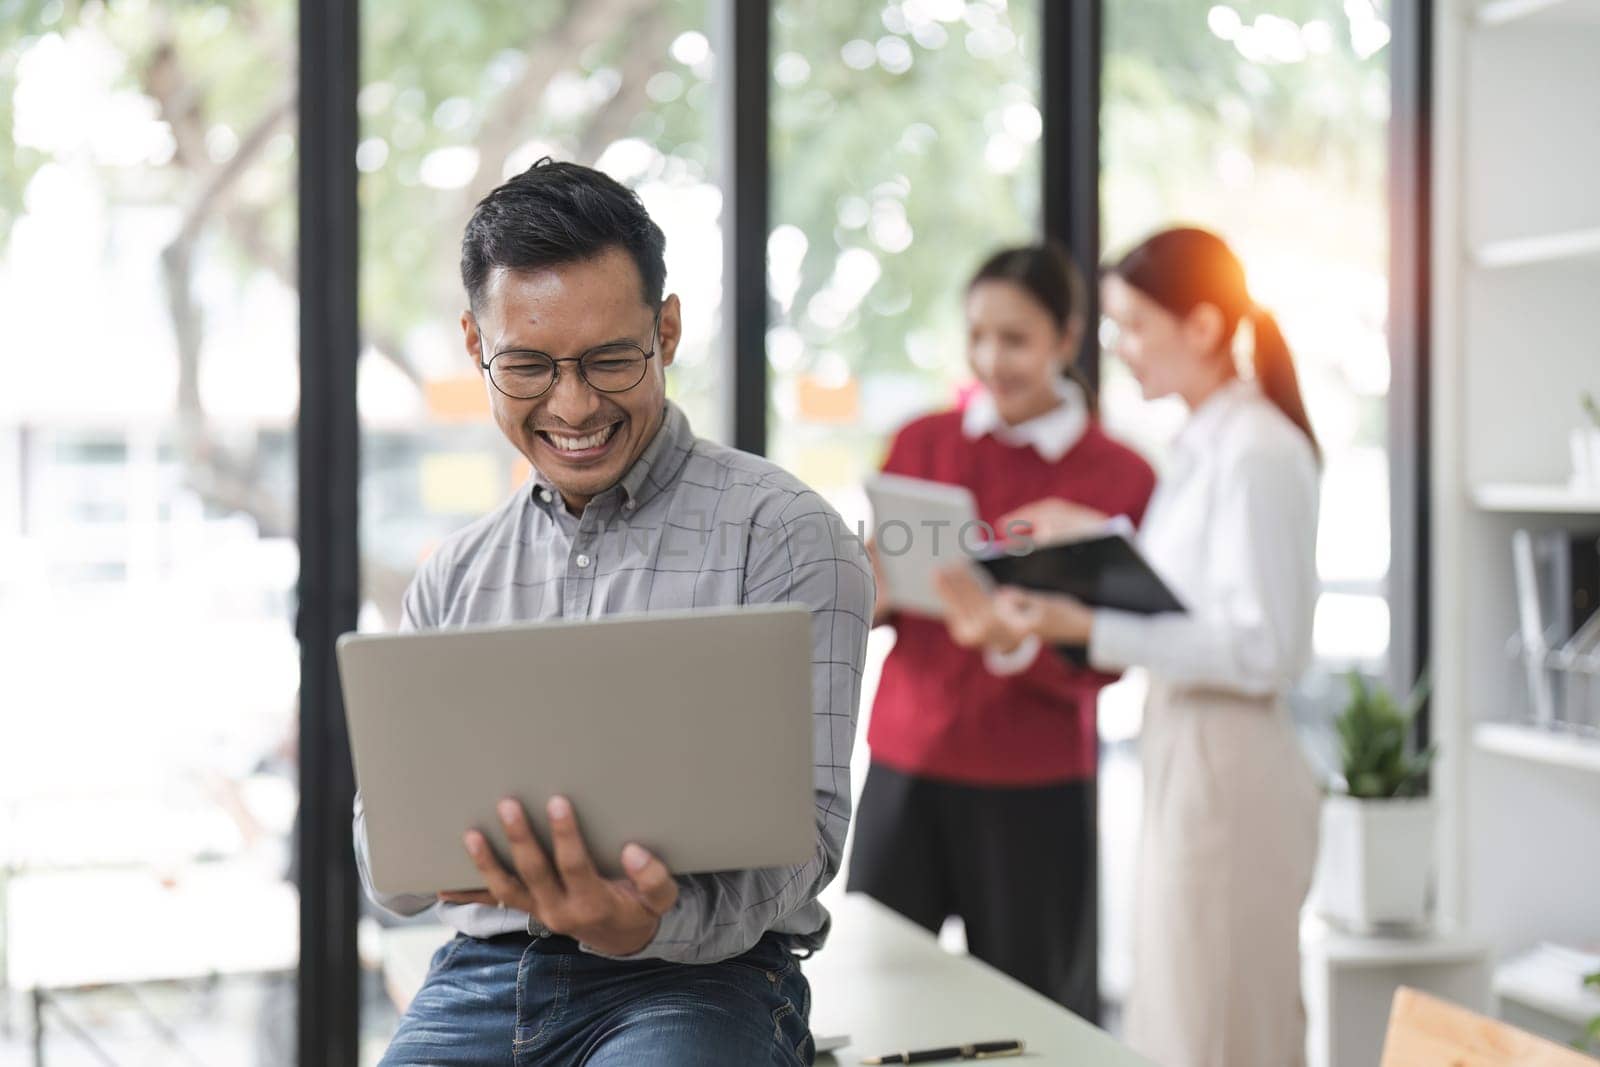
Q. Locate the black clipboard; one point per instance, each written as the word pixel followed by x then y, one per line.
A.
pixel 1103 571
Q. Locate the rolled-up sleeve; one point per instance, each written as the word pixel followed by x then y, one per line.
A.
pixel 800 553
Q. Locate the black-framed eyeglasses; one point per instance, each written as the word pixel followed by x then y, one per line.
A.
pixel 525 374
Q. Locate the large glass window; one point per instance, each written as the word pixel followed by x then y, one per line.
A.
pixel 147 554
pixel 453 102
pixel 1266 121
pixel 905 147
pixel 451 105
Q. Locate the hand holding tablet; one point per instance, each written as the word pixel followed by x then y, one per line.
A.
pixel 923 528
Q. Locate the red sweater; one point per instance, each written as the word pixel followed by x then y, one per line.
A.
pixel 939 712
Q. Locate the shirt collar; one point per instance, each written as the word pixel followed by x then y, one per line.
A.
pixel 1052 434
pixel 652 472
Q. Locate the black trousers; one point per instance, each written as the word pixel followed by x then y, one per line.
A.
pixel 1018 865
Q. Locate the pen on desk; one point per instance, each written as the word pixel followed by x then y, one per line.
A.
pixel 982 1050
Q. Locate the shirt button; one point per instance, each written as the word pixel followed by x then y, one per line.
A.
pixel 628 505
pixel 583 561
pixel 544 494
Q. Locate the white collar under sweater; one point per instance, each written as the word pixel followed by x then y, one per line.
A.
pixel 1052 434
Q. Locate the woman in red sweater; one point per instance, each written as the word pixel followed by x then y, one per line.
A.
pixel 979 801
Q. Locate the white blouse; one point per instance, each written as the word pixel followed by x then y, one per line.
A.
pixel 1232 529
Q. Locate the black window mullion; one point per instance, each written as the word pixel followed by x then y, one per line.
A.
pixel 329 588
pixel 1410 340
pixel 744 96
pixel 1070 58
pixel 1072 44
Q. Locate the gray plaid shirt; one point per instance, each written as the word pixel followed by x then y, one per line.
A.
pixel 690 524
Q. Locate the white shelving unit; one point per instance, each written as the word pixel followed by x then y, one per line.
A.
pixel 1538 746
pixel 1515 499
pixel 1541 991
pixel 1516 328
pixel 1350 982
pixel 1543 248
pixel 1538 12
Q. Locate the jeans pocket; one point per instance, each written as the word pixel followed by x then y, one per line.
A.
pixel 792 1019
pixel 447 952
pixel 792 1033
pixel 543 989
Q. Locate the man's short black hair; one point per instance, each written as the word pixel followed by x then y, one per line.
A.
pixel 558 213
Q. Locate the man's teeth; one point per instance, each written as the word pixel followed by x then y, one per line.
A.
pixel 578 444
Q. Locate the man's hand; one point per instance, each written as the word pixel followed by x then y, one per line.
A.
pixel 615 916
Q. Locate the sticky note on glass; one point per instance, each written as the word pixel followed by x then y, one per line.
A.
pixel 455 483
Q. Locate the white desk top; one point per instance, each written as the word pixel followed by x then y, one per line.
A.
pixel 885 982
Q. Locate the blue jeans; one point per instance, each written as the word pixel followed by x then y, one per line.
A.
pixel 502 1002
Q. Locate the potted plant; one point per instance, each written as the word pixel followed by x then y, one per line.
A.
pixel 1377 821
pixel 1590 1041
pixel 1586 446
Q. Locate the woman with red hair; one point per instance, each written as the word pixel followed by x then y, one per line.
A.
pixel 1230 806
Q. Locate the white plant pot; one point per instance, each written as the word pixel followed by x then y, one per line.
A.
pixel 1585 459
pixel 1376 862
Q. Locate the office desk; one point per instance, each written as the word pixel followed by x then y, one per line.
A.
pixel 86 929
pixel 885 982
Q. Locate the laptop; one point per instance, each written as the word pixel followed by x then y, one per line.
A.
pixel 689 732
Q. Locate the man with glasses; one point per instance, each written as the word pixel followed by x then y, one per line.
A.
pixel 626 511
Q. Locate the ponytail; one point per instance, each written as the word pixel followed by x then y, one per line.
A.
pixel 1184 267
pixel 1275 373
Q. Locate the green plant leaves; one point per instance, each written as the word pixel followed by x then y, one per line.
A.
pixel 1374 737
pixel 1590 1041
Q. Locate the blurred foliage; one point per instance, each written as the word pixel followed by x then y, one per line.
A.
pixel 1178 98
pixel 437 76
pixel 910 135
pixel 912 141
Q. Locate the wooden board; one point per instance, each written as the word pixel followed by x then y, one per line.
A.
pixel 1425 1032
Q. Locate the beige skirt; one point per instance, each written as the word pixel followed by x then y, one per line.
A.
pixel 1226 848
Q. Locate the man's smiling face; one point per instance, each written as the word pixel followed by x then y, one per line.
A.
pixel 581 439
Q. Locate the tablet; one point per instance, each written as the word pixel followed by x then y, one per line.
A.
pixel 919 526
pixel 688 732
